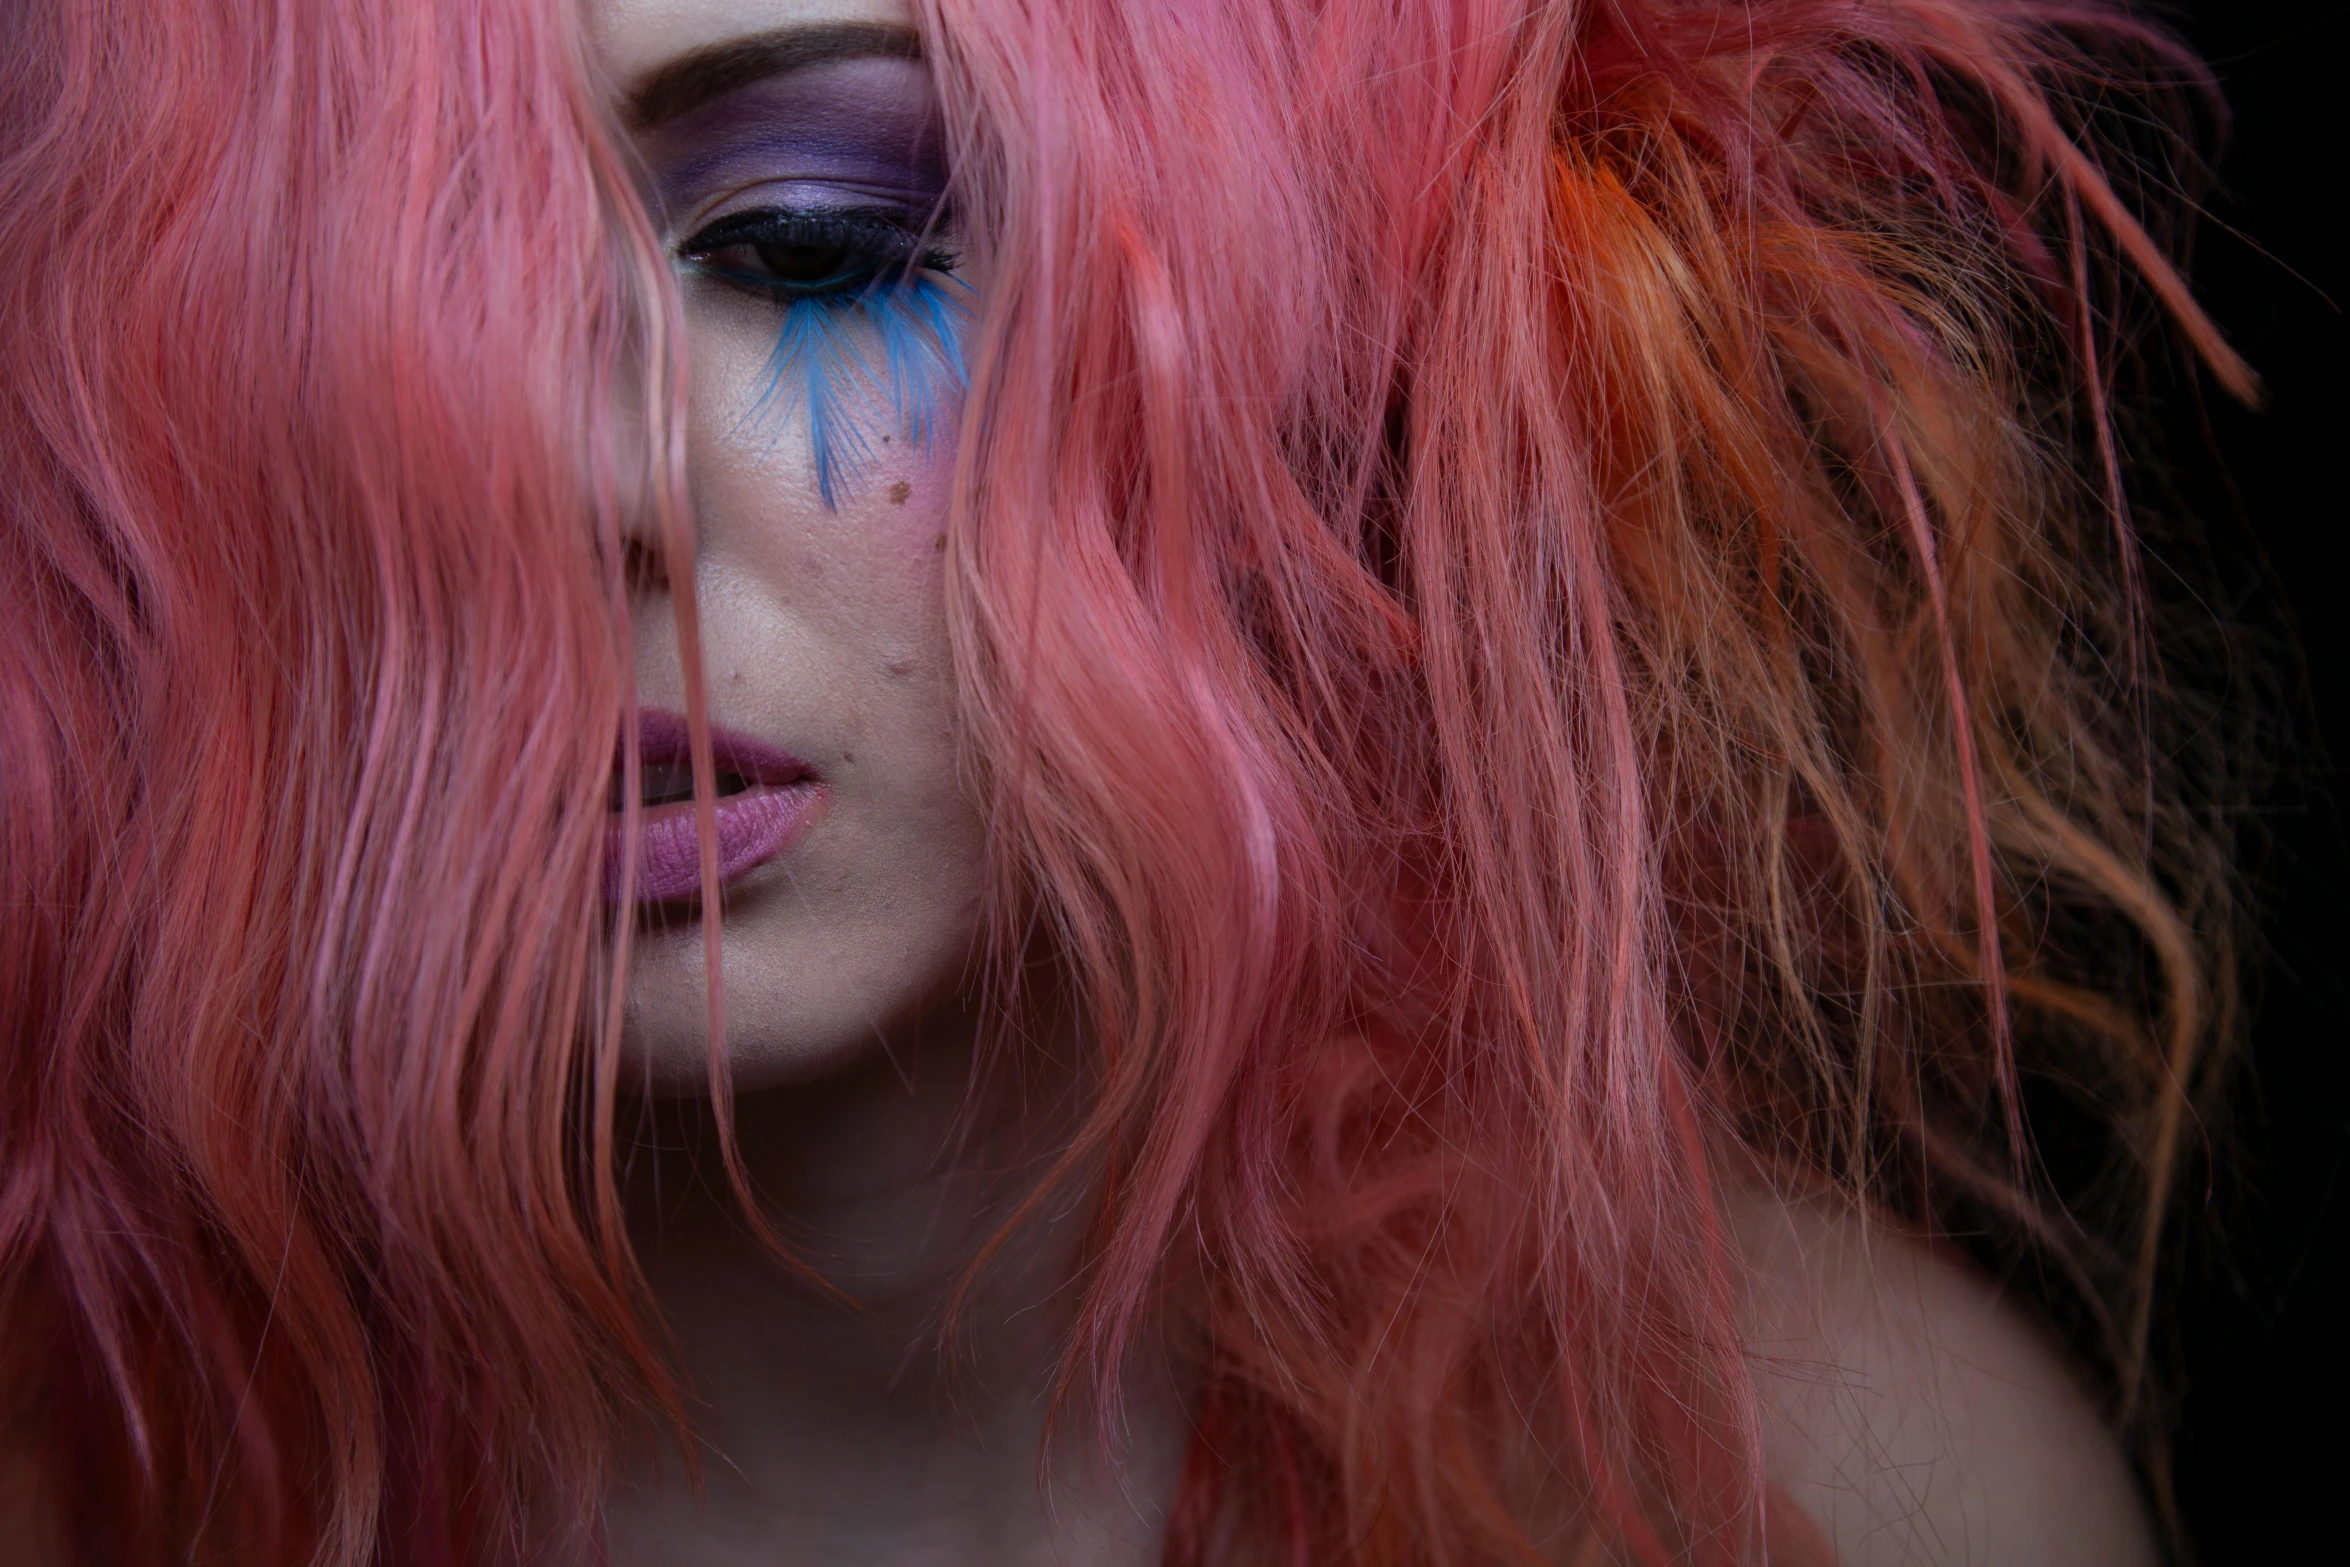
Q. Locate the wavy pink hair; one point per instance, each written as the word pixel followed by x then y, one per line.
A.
pixel 1544 605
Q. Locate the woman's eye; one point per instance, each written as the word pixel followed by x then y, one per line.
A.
pixel 814 269
pixel 803 255
pixel 811 264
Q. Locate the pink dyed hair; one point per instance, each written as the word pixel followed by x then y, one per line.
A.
pixel 1527 601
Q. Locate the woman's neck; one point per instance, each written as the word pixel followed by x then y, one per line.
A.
pixel 838 1422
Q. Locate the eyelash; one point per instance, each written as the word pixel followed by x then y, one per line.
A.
pixel 874 244
pixel 884 288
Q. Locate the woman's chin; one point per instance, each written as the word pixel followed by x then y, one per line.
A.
pixel 796 1012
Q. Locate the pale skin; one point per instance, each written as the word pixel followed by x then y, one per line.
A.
pixel 1912 1413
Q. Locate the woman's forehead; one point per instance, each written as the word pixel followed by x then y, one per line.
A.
pixel 637 38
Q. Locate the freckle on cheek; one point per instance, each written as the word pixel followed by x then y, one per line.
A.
pixel 899 491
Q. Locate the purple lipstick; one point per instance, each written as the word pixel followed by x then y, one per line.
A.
pixel 766 799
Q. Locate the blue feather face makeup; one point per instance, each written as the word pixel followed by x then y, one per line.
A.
pixel 822 192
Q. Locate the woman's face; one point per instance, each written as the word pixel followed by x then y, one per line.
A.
pixel 793 152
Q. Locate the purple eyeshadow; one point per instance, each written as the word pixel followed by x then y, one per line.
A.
pixel 867 126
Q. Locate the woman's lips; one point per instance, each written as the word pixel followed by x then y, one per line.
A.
pixel 781 800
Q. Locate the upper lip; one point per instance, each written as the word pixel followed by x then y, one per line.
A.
pixel 665 739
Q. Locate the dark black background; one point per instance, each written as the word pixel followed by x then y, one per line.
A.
pixel 2262 1311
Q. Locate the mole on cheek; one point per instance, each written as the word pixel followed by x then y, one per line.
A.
pixel 899 491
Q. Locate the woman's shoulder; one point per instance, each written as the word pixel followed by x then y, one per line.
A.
pixel 1918 1415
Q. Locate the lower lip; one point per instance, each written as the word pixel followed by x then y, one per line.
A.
pixel 753 827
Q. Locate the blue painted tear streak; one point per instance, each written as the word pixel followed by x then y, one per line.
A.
pixel 825 354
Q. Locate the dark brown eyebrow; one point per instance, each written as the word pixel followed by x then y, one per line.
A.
pixel 713 71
